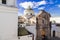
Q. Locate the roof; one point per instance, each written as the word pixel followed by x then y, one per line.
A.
pixel 42 12
pixel 22 31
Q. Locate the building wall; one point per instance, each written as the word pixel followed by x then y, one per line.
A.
pixel 10 2
pixel 43 24
pixel 8 23
pixel 56 29
pixel 32 29
pixel 0 1
pixel 28 11
pixel 26 37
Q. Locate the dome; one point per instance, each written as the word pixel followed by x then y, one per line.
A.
pixel 29 12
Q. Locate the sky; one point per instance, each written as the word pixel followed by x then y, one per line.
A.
pixel 50 6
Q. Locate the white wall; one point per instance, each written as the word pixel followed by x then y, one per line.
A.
pixel 11 2
pixel 32 29
pixel 54 27
pixel 8 23
pixel 26 37
pixel 57 30
pixel 0 1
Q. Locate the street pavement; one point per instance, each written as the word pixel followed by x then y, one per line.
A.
pixel 55 38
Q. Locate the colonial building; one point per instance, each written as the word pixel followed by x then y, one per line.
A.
pixel 29 17
pixel 55 31
pixel 8 20
pixel 28 20
pixel 43 25
pixel 37 23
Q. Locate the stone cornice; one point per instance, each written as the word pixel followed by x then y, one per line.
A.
pixel 8 9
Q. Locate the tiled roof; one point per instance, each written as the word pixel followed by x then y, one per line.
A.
pixel 22 31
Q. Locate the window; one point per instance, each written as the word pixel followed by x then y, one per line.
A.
pixel 33 22
pixel 31 13
pixel 20 25
pixel 43 21
pixel 3 1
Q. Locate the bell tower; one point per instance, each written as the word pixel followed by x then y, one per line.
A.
pixel 28 12
pixel 43 26
pixel 8 2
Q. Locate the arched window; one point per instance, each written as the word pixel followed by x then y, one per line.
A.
pixel 3 1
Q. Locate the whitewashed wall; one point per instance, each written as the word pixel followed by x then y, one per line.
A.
pixel 57 31
pixel 0 1
pixel 32 29
pixel 26 37
pixel 8 23
pixel 54 27
pixel 10 2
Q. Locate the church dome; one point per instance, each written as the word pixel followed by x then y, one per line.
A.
pixel 29 12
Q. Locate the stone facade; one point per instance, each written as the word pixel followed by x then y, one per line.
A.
pixel 28 17
pixel 43 25
pixel 38 22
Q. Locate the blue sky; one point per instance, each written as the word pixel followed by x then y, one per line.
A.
pixel 51 6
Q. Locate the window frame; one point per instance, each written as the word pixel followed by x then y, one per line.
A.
pixel 3 1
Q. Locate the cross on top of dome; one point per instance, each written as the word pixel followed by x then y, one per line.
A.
pixel 29 7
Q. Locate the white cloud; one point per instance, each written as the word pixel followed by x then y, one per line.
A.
pixel 42 3
pixel 41 8
pixel 58 6
pixel 32 4
pixel 26 4
pixel 20 14
pixel 39 3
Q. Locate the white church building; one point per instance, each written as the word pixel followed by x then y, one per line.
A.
pixel 8 20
